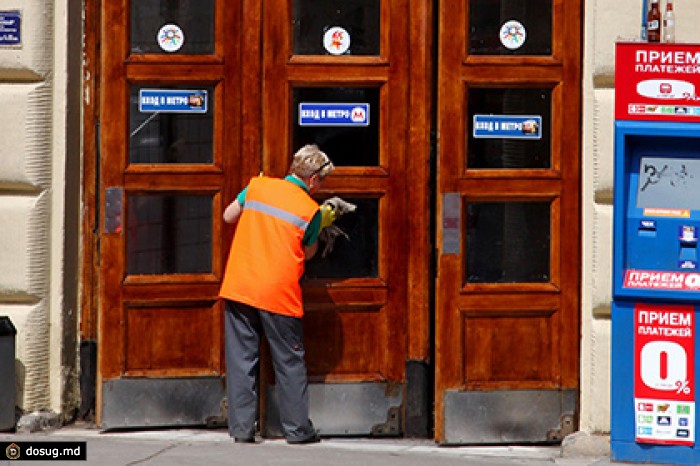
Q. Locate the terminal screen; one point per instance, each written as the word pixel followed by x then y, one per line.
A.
pixel 669 183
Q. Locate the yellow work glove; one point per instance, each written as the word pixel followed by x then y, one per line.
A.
pixel 327 216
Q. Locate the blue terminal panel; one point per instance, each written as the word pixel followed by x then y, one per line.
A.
pixel 656 287
pixel 657 211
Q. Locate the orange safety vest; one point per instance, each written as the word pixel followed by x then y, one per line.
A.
pixel 266 260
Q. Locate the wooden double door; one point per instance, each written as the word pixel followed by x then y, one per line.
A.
pixel 453 302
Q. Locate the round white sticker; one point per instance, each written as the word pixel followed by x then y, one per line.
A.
pixel 336 40
pixel 512 35
pixel 358 115
pixel 170 37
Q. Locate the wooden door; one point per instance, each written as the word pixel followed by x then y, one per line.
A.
pixel 507 312
pixel 170 154
pixel 335 73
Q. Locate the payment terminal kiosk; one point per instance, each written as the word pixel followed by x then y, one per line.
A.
pixel 656 257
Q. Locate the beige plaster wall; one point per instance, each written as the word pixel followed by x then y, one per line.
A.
pixel 25 192
pixel 33 82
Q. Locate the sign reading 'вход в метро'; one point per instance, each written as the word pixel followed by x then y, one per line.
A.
pixel 172 101
pixel 333 114
pixel 507 126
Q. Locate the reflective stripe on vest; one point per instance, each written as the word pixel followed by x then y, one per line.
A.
pixel 276 212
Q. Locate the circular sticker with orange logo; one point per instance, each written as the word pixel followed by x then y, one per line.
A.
pixel 336 40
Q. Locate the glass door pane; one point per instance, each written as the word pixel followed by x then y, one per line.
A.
pixel 510 27
pixel 171 125
pixel 168 234
pixel 351 143
pixel 355 255
pixel 336 27
pixel 508 242
pixel 509 128
pixel 184 27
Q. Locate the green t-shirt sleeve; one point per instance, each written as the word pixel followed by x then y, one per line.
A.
pixel 241 196
pixel 312 231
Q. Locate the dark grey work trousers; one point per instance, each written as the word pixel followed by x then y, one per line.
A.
pixel 244 326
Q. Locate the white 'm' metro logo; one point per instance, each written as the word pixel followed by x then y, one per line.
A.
pixel 692 280
pixel 358 115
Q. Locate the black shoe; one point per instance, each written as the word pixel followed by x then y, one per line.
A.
pixel 313 438
pixel 244 439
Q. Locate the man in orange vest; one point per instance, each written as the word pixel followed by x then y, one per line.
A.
pixel 278 223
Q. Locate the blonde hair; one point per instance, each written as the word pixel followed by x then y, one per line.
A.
pixel 310 160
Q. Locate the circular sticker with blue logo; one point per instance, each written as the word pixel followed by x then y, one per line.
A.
pixel 512 34
pixel 170 38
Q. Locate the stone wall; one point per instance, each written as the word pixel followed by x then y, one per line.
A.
pixel 33 220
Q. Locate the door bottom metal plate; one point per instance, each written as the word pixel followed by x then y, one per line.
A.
pixel 369 409
pixel 160 402
pixel 509 416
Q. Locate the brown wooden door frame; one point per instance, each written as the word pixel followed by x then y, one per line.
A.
pixel 154 294
pixel 402 72
pixel 91 115
pixel 89 241
pixel 554 305
pixel 97 269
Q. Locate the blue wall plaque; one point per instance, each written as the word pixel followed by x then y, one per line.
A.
pixel 10 28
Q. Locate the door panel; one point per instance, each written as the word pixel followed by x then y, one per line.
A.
pixel 169 110
pixel 508 230
pixel 355 298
